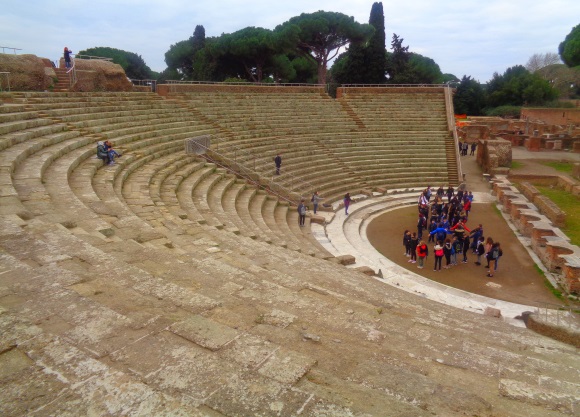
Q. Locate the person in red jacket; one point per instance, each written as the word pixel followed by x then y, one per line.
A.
pixel 467 207
pixel 422 252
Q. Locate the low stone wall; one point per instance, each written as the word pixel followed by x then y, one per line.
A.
pixel 166 89
pixel 544 204
pixel 551 245
pixel 515 139
pixel 563 334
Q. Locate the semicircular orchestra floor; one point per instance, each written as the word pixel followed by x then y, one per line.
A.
pixel 517 280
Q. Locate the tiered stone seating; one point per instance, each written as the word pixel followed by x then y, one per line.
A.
pixel 256 126
pixel 413 134
pixel 330 146
pixel 115 299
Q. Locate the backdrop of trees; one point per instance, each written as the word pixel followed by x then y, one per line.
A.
pixel 301 50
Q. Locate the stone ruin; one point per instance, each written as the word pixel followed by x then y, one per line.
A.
pixel 495 156
pixel 552 246
pixel 534 134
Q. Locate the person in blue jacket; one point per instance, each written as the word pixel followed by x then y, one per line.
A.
pixel 441 233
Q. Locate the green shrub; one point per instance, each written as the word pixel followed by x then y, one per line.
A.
pixel 235 80
pixel 558 105
pixel 504 111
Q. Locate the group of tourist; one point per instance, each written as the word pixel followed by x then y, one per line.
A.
pixel 448 232
pixel 106 152
pixel 464 147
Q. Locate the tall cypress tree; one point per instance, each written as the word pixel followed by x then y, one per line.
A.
pixel 375 51
pixel 365 63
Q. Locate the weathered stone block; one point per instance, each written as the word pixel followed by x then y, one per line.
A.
pixel 346 259
pixel 366 270
pixel 492 312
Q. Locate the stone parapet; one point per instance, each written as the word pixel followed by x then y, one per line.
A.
pixel 544 204
pixel 551 245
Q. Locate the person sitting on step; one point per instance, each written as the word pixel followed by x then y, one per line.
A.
pixel 111 153
pixel 102 152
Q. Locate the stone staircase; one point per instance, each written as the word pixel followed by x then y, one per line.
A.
pixel 164 285
pixel 451 158
pixel 63 80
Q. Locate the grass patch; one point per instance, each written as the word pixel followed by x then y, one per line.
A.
pixel 569 204
pixel 562 166
pixel 497 211
pixel 557 293
pixel 516 165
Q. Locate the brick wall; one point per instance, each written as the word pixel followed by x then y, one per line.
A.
pixel 553 116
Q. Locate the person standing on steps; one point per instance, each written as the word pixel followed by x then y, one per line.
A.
pixel 346 202
pixel 278 163
pixel 301 213
pixel 67 53
pixel 315 201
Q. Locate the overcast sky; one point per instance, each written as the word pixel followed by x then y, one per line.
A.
pixel 468 37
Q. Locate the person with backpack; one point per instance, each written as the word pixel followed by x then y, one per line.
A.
pixel 480 249
pixel 102 153
pixel 315 201
pixel 488 247
pixel 301 213
pixel 448 252
pixel 493 256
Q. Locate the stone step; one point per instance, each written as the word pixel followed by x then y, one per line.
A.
pixel 229 199
pixel 185 191
pixel 215 199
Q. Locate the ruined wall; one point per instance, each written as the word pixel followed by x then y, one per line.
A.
pixel 27 72
pixel 97 75
pixel 552 116
pixel 494 156
pixel 31 73
pixel 475 132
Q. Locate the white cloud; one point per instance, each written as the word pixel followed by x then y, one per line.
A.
pixel 464 37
